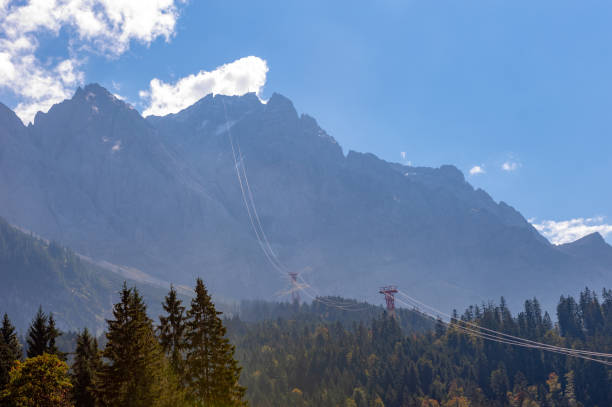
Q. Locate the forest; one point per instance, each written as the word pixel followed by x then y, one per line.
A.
pixel 292 354
pixel 376 363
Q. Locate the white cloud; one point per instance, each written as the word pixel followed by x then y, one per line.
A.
pixel 242 76
pixel 510 166
pixel 566 231
pixel 477 169
pixel 105 27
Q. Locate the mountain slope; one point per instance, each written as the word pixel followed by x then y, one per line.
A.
pixel 162 194
pixel 35 272
pixel 592 249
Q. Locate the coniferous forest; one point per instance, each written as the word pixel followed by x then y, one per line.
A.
pixel 290 354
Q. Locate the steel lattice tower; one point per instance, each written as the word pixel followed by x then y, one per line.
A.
pixel 389 293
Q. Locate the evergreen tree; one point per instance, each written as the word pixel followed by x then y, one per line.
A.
pixel 570 321
pixel 136 373
pixel 211 372
pixel 8 336
pixel 52 334
pixel 42 336
pixel 440 327
pixel 86 362
pixel 10 349
pixel 171 330
pixel 38 335
pixel 500 383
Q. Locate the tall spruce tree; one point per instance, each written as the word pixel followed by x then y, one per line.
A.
pixel 38 335
pixel 87 362
pixel 52 334
pixel 10 349
pixel 211 372
pixel 8 336
pixel 136 373
pixel 171 330
pixel 42 336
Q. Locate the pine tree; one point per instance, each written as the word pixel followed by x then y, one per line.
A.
pixel 86 362
pixel 171 330
pixel 10 349
pixel 440 327
pixel 211 371
pixel 42 335
pixel 8 336
pixel 137 373
pixel 52 334
pixel 38 335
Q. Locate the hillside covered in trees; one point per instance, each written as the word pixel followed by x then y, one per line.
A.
pixel 35 272
pixel 185 360
pixel 292 362
pixel 290 354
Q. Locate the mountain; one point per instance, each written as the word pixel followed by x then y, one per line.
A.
pixel 592 249
pixel 162 194
pixel 35 272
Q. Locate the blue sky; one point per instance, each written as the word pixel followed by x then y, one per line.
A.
pixel 470 83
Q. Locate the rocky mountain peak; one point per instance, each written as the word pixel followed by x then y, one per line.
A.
pixel 168 195
pixel 594 239
pixel 281 105
pixel 9 120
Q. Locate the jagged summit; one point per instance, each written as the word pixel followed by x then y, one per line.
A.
pixel 592 240
pixel 167 195
pixel 9 119
pixel 92 90
pixel 92 102
pixel 592 249
pixel 281 104
pixel 216 103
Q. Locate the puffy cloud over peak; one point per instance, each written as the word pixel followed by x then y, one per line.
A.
pixel 567 231
pixel 105 27
pixel 237 78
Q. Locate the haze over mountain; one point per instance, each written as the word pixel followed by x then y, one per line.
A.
pixel 161 194
pixel 80 294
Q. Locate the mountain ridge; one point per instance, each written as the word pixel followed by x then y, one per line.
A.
pixel 161 194
pixel 36 272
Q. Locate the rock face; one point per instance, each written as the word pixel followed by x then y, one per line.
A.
pixel 162 194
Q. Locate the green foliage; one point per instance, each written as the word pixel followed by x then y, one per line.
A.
pixel 41 381
pixel 42 336
pixel 10 350
pixel 8 337
pixel 171 330
pixel 87 362
pixel 314 358
pixel 410 321
pixel 34 271
pixel 336 364
pixel 211 372
pixel 52 334
pixel 38 335
pixel 135 372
